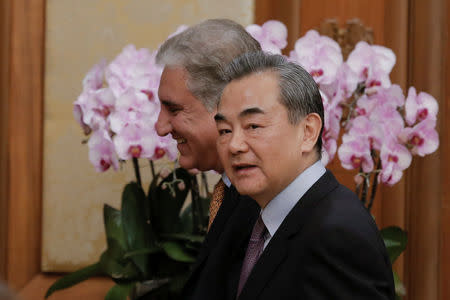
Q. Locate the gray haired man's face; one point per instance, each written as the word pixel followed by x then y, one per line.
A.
pixel 188 121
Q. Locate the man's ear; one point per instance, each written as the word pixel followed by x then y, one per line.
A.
pixel 312 124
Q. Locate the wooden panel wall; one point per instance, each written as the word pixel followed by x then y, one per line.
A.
pixel 445 177
pixel 4 83
pixel 417 31
pixel 25 111
pixel 426 71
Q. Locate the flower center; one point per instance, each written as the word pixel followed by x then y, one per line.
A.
pixel 392 158
pixel 135 151
pixel 416 140
pixel 423 114
pixel 149 94
pixel 159 152
pixel 104 164
pixel 316 73
pixel 356 161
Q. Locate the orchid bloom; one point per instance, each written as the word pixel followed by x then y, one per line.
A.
pixel 423 138
pixel 395 158
pixel 354 153
pixel 420 107
pixel 133 68
pixel 135 142
pixel 372 64
pixel 320 55
pixel 101 151
pixel 363 127
pixel 272 35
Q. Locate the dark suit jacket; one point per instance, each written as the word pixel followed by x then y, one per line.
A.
pixel 328 247
pixel 221 250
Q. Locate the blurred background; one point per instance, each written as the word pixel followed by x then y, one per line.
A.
pixel 51 198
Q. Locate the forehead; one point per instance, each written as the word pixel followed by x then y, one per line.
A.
pixel 172 86
pixel 255 90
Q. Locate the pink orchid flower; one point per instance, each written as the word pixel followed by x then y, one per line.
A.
pixel 272 35
pixel 133 68
pixel 319 55
pixel 420 107
pixel 101 151
pixel 135 142
pixel 395 158
pixel 423 138
pixel 372 64
pixel 354 153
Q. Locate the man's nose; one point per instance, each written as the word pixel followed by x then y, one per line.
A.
pixel 237 142
pixel 162 125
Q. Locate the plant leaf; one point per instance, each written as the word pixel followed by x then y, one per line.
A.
pixel 395 240
pixel 184 237
pixel 74 278
pixel 113 225
pixel 112 263
pixel 119 292
pixel 176 252
pixel 151 250
pixel 139 233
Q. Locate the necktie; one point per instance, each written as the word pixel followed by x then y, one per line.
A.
pixel 217 198
pixel 254 250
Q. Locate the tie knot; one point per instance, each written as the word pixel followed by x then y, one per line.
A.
pixel 259 230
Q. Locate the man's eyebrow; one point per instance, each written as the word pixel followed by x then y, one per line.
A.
pixel 167 102
pixel 251 111
pixel 219 117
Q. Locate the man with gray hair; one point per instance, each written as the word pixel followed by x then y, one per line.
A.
pixel 313 238
pixel 190 88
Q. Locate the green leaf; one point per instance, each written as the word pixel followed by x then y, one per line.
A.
pixel 176 252
pixel 395 240
pixel 151 250
pixel 167 199
pixel 113 225
pixel 113 263
pixel 400 289
pixel 119 292
pixel 185 223
pixel 139 233
pixel 184 237
pixel 74 278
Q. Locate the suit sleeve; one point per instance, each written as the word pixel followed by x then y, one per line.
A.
pixel 346 262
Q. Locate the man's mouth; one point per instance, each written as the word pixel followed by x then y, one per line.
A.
pixel 241 167
pixel 180 141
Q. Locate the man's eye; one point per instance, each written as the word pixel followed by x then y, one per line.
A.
pixel 224 131
pixel 253 126
pixel 173 109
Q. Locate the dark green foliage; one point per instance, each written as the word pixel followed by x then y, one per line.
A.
pixel 150 238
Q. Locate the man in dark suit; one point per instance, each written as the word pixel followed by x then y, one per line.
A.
pixel 313 239
pixel 189 90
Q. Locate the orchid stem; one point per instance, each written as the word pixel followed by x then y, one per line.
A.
pixel 136 171
pixel 374 186
pixel 152 168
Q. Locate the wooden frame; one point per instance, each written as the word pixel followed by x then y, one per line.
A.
pixel 23 187
pixel 4 84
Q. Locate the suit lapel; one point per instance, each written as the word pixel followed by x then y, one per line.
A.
pixel 277 248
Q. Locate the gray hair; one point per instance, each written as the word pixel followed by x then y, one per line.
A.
pixel 204 50
pixel 299 92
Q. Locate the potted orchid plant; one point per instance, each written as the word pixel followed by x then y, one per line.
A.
pixel 155 236
pixel 370 124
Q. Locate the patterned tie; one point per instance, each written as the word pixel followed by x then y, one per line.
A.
pixel 254 250
pixel 217 198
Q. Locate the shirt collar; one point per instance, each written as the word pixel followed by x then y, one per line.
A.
pixel 279 207
pixel 226 180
